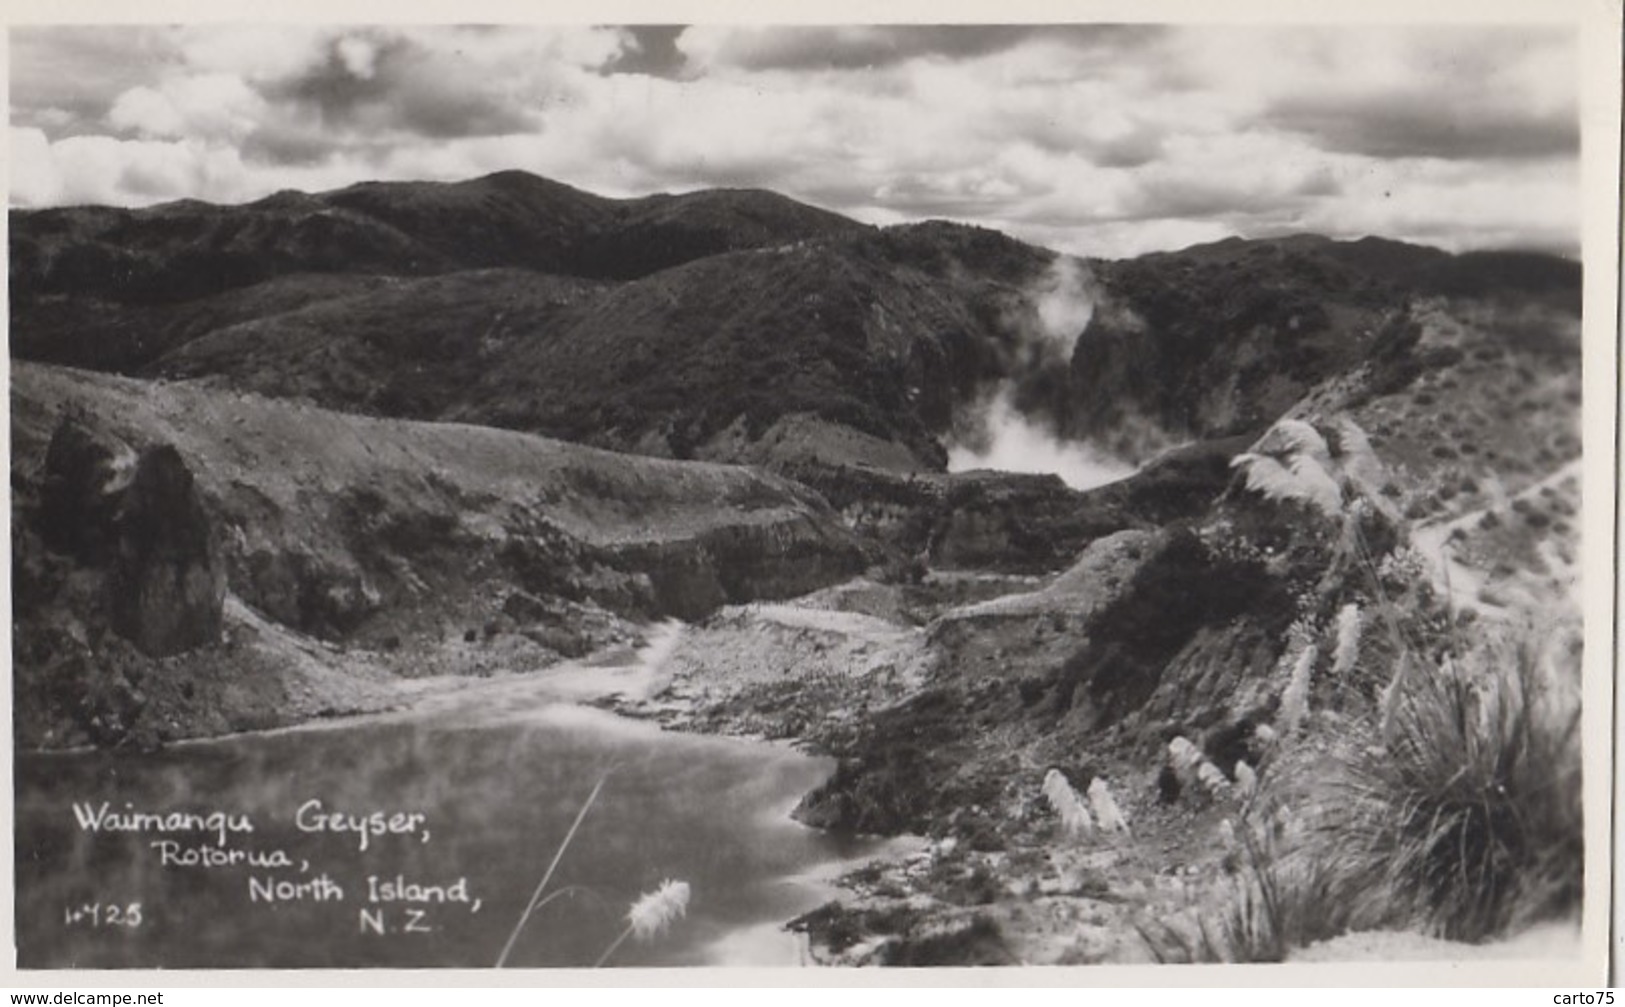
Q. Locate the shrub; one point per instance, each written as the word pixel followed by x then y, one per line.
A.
pixel 1469 816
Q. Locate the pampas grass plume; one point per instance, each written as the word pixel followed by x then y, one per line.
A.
pixel 1185 758
pixel 1288 437
pixel 653 913
pixel 1212 777
pixel 1107 814
pixel 1295 697
pixel 1348 640
pixel 1389 701
pixel 1246 781
pixel 1292 462
pixel 1074 814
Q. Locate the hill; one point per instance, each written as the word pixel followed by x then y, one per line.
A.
pixel 716 357
pixel 734 325
pixel 407 347
pixel 371 535
pixel 1220 339
pixel 189 249
pixel 857 348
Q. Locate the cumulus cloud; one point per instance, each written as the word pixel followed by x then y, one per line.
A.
pixel 33 175
pixel 1099 140
pixel 1455 92
pixel 64 79
pixel 102 169
pixel 213 106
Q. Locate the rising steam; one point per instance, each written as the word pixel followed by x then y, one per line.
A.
pixel 995 433
pixel 1014 443
pixel 1064 305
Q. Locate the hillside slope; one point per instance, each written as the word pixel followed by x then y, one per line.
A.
pixel 386 535
pixel 411 348
pixel 704 359
pixel 734 325
pixel 862 348
pixel 1221 339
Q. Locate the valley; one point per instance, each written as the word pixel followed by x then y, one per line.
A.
pixel 404 450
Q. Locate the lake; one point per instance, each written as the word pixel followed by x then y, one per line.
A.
pixel 483 785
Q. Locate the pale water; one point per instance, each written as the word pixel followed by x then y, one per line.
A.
pixel 496 775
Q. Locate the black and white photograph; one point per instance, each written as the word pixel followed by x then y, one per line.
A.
pixel 788 495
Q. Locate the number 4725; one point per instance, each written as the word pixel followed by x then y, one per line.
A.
pixel 96 914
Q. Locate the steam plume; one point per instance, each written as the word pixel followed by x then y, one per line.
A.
pixel 1014 443
pixel 1064 305
pixel 996 433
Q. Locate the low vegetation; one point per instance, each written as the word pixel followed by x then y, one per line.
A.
pixel 1451 801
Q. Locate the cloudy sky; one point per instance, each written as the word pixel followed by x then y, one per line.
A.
pixel 1102 140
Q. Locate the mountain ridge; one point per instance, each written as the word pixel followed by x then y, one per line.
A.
pixel 733 324
pixel 186 248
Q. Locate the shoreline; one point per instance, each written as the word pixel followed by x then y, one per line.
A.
pixel 811 676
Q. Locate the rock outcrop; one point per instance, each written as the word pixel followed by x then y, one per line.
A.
pixel 166 583
pixel 86 473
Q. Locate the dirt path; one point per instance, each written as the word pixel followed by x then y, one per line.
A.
pixel 1470 588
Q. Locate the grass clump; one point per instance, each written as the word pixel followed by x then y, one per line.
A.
pixel 1468 816
pixel 1450 802
pixel 1464 820
pixel 1280 894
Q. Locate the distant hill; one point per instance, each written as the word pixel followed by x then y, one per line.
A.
pixel 101 334
pixel 1219 339
pixel 735 325
pixel 881 334
pixel 412 347
pixel 657 232
pixel 861 332
pixel 188 249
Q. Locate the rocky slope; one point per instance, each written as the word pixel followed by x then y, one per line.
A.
pixel 385 536
pixel 948 701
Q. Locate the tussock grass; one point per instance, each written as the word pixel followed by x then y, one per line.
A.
pixel 1465 821
pixel 1453 806
pixel 1280 895
pixel 1469 816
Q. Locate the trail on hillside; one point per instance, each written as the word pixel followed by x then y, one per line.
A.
pixel 1470 587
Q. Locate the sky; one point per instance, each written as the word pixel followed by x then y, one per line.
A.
pixel 1108 140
